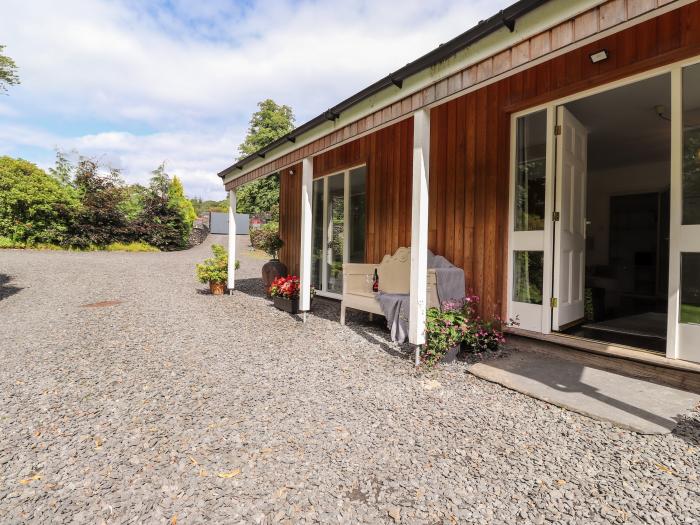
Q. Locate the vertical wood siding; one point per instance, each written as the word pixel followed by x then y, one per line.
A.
pixel 470 149
pixel 290 217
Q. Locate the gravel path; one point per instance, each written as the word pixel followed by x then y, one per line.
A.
pixel 176 406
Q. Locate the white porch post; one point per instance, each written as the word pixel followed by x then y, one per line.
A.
pixel 307 177
pixel 231 239
pixel 419 227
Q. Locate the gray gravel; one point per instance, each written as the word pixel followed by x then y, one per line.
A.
pixel 177 406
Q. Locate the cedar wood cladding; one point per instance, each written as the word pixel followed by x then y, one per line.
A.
pixel 469 155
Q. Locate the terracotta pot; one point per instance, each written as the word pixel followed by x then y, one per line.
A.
pixel 271 270
pixel 217 288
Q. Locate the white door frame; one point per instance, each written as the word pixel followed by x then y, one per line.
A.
pixel 679 236
pixel 326 224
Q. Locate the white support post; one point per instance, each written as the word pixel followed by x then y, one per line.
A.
pixel 307 178
pixel 419 227
pixel 231 239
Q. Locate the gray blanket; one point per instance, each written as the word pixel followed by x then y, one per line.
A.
pixel 450 285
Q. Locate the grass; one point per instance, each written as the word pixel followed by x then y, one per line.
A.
pixel 690 314
pixel 131 247
pixel 7 243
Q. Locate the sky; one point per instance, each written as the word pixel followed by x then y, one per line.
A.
pixel 135 83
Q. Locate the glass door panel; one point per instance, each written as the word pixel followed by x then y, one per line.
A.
pixel 335 221
pixel 688 236
pixel 356 215
pixel 317 235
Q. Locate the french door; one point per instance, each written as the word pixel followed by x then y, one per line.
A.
pixel 570 221
pixel 338 227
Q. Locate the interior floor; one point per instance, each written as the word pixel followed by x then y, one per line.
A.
pixel 627 214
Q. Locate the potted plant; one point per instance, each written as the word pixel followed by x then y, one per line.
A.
pixel 214 270
pixel 285 293
pixel 444 333
pixel 267 239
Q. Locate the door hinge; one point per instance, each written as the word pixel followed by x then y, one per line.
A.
pixel 555 216
pixel 554 303
pixel 557 130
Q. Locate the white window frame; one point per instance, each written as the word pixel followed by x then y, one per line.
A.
pixel 327 224
pixel 538 318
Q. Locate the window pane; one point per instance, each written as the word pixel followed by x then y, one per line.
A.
pixel 690 288
pixel 336 226
pixel 691 145
pixel 531 142
pixel 527 277
pixel 356 220
pixel 317 234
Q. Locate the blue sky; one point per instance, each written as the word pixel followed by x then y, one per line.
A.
pixel 136 83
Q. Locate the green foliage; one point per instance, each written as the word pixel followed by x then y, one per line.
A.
pixel 267 239
pixel 100 219
pixel 215 269
pixel 34 208
pixel 8 71
pixel 201 207
pixel 163 222
pixel 131 247
pixel 132 204
pixel 258 196
pixel 271 122
pixel 6 242
pixel 176 193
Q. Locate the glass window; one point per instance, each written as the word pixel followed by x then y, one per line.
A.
pixel 356 215
pixel 690 288
pixel 336 232
pixel 691 145
pixel 317 234
pixel 528 276
pixel 530 171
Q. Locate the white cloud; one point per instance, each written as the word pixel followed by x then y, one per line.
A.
pixel 183 78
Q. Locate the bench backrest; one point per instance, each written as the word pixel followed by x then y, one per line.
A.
pixel 394 272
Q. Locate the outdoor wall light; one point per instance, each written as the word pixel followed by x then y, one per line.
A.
pixel 599 56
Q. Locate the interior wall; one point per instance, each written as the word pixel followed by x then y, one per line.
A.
pixel 622 180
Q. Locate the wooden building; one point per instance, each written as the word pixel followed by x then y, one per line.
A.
pixel 552 152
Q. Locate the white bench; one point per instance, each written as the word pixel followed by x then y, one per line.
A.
pixel 394 274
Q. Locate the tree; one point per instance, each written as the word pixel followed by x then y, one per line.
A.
pixel 34 207
pixel 163 222
pixel 8 71
pixel 101 219
pixel 271 122
pixel 182 203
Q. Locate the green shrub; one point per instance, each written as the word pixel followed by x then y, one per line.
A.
pixel 6 242
pixel 215 269
pixel 131 247
pixel 267 239
pixel 34 207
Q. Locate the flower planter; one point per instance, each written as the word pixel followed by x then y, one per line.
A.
pixel 451 354
pixel 286 305
pixel 217 288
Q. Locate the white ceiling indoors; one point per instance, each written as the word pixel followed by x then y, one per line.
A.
pixel 623 125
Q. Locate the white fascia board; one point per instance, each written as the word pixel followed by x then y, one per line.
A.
pixel 541 19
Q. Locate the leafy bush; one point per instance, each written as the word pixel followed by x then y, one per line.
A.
pixel 34 207
pixel 458 322
pixel 131 247
pixel 267 239
pixel 215 269
pixel 6 242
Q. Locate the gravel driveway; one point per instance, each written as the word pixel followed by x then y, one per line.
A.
pixel 176 406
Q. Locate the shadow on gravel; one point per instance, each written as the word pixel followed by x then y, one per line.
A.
pixel 7 290
pixel 252 286
pixel 688 429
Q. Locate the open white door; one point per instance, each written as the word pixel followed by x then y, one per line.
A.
pixel 570 228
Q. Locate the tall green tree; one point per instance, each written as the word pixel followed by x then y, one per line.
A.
pixel 271 122
pixel 8 71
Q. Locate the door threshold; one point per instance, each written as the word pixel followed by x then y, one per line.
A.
pixel 639 355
